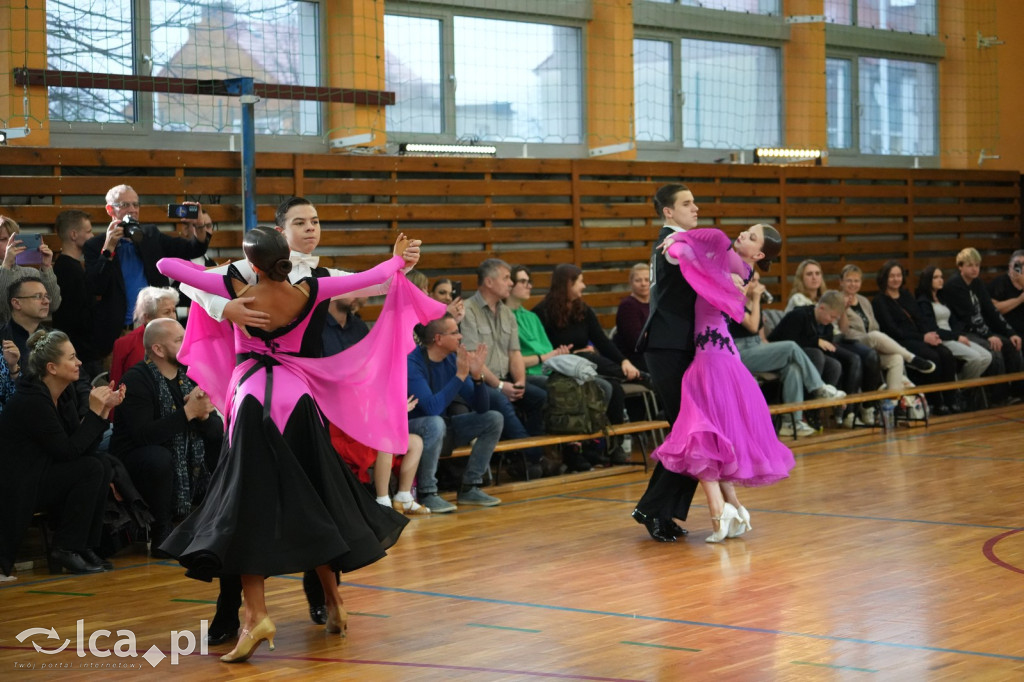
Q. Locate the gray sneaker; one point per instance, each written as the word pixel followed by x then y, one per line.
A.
pixel 476 496
pixel 437 504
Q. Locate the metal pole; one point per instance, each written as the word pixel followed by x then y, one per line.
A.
pixel 244 87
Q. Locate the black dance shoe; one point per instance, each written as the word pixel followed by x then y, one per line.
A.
pixel 94 558
pixel 318 614
pixel 676 530
pixel 658 528
pixel 72 562
pixel 217 636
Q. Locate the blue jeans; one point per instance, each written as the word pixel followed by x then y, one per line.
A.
pixel 485 427
pixel 785 357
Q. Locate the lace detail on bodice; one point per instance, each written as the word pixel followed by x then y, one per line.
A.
pixel 716 338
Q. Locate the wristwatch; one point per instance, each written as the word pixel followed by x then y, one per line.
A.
pixel 107 253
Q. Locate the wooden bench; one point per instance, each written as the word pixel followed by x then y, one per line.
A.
pixel 627 428
pixel 892 394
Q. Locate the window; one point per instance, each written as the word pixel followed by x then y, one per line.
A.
pixel 731 95
pixel 747 6
pixel 839 109
pixel 497 80
pixel 653 96
pixel 909 16
pixel 412 59
pixel 517 82
pixel 895 103
pixel 272 42
pixel 97 37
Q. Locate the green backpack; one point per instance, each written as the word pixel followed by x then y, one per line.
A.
pixel 574 408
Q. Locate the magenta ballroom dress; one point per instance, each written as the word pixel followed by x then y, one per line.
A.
pixel 281 500
pixel 724 431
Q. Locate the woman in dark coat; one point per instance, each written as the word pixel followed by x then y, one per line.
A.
pixel 47 457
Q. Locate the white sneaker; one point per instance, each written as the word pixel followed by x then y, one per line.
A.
pixel 802 428
pixel 849 421
pixel 828 391
pixel 867 415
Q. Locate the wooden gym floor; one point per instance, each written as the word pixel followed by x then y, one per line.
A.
pixel 898 558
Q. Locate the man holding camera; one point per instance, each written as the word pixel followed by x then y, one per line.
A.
pixel 122 262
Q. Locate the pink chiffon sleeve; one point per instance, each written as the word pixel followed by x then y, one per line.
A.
pixel 194 275
pixel 705 261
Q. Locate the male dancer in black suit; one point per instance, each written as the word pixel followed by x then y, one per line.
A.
pixel 667 344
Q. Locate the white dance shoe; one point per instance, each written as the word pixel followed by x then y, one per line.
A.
pixel 725 521
pixel 742 524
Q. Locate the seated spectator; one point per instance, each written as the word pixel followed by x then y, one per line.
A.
pixel 11 272
pixel 975 359
pixel 10 368
pixel 866 374
pixel 48 457
pixel 808 285
pixel 153 303
pixel 419 279
pixel 571 323
pixel 29 304
pixel 75 316
pixel 448 383
pixel 811 328
pixel 862 326
pixel 491 323
pixel 785 357
pixel 1007 292
pixel 444 291
pixel 167 431
pixel 632 315
pixel 899 316
pixel 971 303
pixel 345 328
pixel 363 459
pixel 533 340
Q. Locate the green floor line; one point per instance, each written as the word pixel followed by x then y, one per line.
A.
pixel 371 615
pixel 836 667
pixel 660 646
pixel 499 627
pixel 196 601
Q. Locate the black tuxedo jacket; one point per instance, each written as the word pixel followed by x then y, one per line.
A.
pixel 670 324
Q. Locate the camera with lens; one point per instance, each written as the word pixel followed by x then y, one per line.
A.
pixel 132 229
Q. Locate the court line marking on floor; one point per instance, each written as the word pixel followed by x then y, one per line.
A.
pixel 661 646
pixel 400 664
pixel 503 627
pixel 989 550
pixel 677 621
pixel 835 667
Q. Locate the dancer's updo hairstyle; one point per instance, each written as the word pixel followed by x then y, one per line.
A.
pixel 44 347
pixel 267 249
pixel 771 248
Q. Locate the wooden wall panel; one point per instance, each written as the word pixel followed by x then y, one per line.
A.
pixel 542 212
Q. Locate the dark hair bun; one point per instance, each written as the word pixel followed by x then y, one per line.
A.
pixel 279 271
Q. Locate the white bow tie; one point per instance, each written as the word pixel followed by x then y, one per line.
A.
pixel 309 261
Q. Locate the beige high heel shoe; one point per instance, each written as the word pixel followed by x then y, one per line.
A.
pixel 249 640
pixel 725 521
pixel 337 620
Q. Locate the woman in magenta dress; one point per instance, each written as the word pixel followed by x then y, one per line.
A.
pixel 281 500
pixel 724 434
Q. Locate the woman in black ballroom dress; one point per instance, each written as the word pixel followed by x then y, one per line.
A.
pixel 281 500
